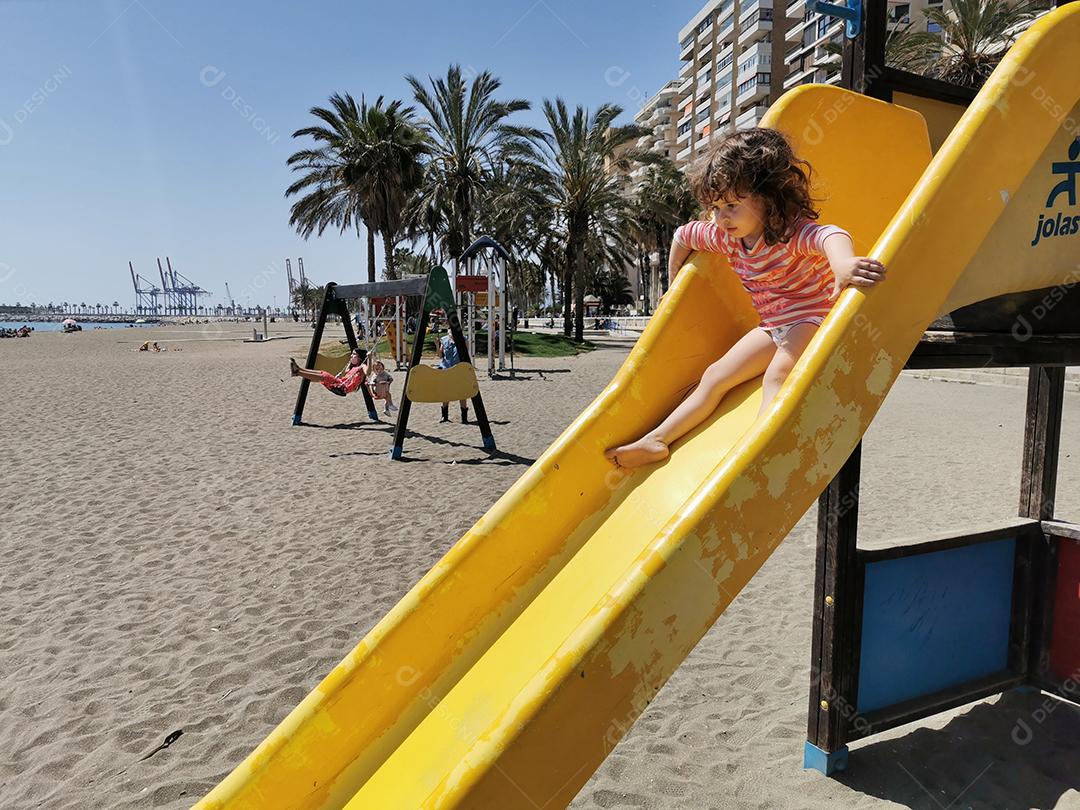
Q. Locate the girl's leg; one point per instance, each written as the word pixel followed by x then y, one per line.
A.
pixel 748 358
pixel 310 374
pixel 788 353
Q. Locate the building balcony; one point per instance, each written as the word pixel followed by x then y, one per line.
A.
pixel 725 14
pixel 752 7
pixel 795 10
pixel 794 34
pixel 759 88
pixel 798 77
pixel 686 70
pixel 761 48
pixel 687 50
pixel 685 85
pixel 660 147
pixel 683 137
pixel 751 117
pixel 755 30
pixel 797 53
pixel 727 31
pixel 705 35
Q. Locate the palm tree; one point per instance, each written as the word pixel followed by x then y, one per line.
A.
pixel 662 202
pixel 975 34
pixel 973 37
pixel 469 138
pixel 612 287
pixel 393 147
pixel 362 170
pixel 576 167
pixel 515 212
pixel 407 263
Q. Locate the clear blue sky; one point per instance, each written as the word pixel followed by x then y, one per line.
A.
pixel 120 136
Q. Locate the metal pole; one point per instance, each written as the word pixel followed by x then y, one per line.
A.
pixel 399 338
pixel 490 270
pixel 505 314
pixel 470 309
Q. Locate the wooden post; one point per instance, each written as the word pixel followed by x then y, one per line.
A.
pixel 313 352
pixel 1038 486
pixel 834 667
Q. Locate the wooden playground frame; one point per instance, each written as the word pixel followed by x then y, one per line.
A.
pixel 868 674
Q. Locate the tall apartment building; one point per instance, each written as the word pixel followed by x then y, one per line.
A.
pixel 807 58
pixel 658 116
pixel 741 55
pixel 728 50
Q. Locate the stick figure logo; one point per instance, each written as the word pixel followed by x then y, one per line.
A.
pixel 1070 169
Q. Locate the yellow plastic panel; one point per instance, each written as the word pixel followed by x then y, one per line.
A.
pixel 427 384
pixel 941 116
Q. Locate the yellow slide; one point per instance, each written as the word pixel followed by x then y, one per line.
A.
pixel 508 673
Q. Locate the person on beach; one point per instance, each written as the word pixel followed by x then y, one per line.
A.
pixel 762 218
pixel 379 380
pixel 345 382
pixel 447 352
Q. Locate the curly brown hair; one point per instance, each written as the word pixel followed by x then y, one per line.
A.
pixel 757 162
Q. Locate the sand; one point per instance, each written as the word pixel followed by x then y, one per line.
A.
pixel 176 556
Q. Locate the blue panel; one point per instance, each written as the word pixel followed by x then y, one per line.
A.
pixel 935 620
pixel 828 762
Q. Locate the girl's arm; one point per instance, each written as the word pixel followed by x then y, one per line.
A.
pixel 848 269
pixel 836 245
pixel 692 236
pixel 677 257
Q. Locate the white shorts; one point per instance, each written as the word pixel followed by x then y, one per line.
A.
pixel 779 333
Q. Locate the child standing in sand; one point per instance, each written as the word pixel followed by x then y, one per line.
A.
pixel 757 193
pixel 379 379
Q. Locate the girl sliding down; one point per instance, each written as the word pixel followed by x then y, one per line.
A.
pixel 350 378
pixel 762 219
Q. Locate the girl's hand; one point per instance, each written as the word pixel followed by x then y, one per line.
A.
pixel 858 271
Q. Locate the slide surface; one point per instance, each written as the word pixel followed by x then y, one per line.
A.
pixel 508 673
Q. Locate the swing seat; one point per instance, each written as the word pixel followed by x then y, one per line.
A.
pixel 332 363
pixel 427 384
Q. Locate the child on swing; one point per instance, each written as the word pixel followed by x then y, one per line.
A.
pixel 348 380
pixel 762 218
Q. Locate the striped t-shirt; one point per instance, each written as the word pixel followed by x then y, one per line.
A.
pixel 788 282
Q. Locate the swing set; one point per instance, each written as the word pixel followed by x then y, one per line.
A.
pixel 422 383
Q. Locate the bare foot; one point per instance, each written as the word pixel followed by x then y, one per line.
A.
pixel 294 368
pixel 646 450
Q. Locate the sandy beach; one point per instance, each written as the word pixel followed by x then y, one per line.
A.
pixel 178 557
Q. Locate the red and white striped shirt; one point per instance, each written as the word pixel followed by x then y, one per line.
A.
pixel 788 282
